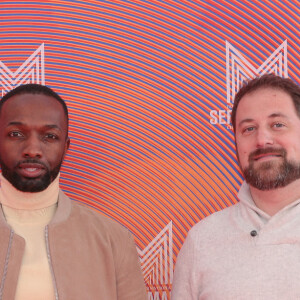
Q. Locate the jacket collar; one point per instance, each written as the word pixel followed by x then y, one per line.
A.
pixel 63 209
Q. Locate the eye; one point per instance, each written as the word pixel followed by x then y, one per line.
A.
pixel 248 129
pixel 51 136
pixel 278 125
pixel 15 134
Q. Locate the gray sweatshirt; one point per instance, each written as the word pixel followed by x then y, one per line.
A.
pixel 241 253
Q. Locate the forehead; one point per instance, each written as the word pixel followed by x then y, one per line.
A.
pixel 32 108
pixel 264 102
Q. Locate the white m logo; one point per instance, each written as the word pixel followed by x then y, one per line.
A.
pixel 157 258
pixel 31 71
pixel 239 69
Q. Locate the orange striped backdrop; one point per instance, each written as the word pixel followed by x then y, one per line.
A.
pixel 141 79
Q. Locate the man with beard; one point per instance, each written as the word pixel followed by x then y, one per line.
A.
pixel 251 250
pixel 50 247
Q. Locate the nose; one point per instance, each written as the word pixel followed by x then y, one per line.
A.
pixel 32 147
pixel 264 138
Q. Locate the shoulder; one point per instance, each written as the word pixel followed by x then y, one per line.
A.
pixel 78 217
pixel 208 236
pixel 218 219
pixel 95 231
pixel 94 220
pixel 216 226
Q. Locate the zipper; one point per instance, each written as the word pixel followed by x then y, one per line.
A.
pixel 6 263
pixel 50 263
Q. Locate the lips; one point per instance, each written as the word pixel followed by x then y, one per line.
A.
pixel 31 170
pixel 266 156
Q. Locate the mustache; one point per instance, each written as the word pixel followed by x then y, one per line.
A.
pixel 269 150
pixel 31 161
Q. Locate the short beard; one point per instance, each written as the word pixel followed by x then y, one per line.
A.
pixel 269 175
pixel 31 185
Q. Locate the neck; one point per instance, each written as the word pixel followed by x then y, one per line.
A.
pixel 274 200
pixel 11 197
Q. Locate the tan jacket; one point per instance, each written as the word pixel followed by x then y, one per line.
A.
pixel 91 257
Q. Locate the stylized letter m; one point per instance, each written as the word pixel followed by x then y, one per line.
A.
pixel 239 69
pixel 157 258
pixel 31 71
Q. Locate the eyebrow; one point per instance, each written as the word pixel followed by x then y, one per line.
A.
pixel 15 123
pixel 274 115
pixel 50 126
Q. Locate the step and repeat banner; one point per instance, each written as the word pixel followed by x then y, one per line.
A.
pixel 149 86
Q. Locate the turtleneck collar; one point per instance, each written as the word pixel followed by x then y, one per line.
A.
pixel 13 198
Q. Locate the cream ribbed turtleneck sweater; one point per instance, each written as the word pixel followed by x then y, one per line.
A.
pixel 28 214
